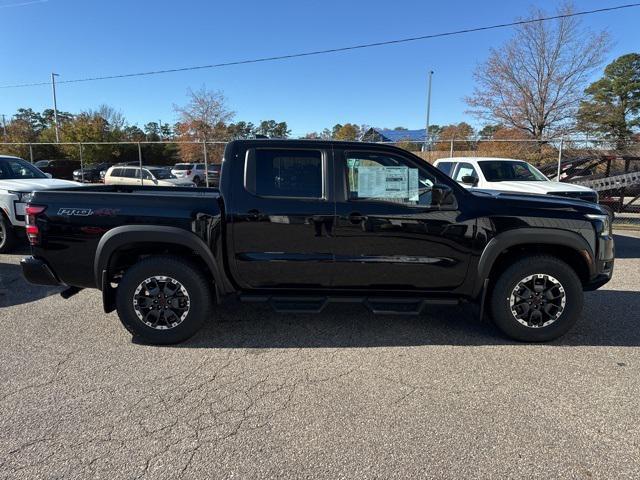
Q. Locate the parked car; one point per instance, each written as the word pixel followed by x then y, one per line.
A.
pixel 18 179
pixel 103 172
pixel 299 224
pixel 91 172
pixel 62 168
pixel 213 174
pixel 509 175
pixel 157 176
pixel 194 172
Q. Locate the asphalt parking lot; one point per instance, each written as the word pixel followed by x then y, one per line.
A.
pixel 340 395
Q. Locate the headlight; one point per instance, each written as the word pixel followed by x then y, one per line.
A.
pixel 23 197
pixel 603 223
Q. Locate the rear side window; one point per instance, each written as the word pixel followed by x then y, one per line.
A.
pixel 129 172
pixel 446 167
pixel 284 173
pixel 116 172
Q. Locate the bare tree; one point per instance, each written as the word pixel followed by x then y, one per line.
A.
pixel 205 116
pixel 535 81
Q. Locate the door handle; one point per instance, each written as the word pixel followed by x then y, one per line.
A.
pixel 253 214
pixel 356 217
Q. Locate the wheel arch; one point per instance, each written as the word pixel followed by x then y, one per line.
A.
pixel 566 245
pixel 181 241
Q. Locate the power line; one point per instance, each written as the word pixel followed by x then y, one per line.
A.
pixel 331 50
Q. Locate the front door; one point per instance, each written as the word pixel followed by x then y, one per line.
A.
pixel 282 223
pixel 388 234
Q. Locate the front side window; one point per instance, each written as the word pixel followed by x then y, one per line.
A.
pixel 465 170
pixel 385 177
pixel 162 174
pixel 512 171
pixel 284 173
pixel 14 169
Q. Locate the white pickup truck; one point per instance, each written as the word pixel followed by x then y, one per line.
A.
pixel 17 180
pixel 509 175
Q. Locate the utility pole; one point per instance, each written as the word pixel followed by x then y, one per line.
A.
pixel 426 133
pixel 55 104
pixel 4 127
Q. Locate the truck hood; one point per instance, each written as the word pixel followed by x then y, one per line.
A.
pixel 541 188
pixel 514 201
pixel 32 184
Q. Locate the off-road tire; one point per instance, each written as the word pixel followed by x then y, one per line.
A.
pixel 510 278
pixel 185 272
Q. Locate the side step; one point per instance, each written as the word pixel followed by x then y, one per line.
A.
pixel 377 305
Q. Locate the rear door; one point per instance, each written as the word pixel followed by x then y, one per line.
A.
pixel 388 233
pixel 282 218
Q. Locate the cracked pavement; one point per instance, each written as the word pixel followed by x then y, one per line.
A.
pixel 339 395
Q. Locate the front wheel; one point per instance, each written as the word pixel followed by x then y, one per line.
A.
pixel 164 299
pixel 537 299
pixel 8 237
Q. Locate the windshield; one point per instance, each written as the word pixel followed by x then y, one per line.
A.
pixel 183 166
pixel 14 168
pixel 512 171
pixel 161 173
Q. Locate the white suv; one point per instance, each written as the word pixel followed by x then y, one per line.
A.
pixel 509 175
pixel 17 180
pixel 194 172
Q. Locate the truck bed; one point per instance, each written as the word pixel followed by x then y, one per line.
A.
pixel 75 219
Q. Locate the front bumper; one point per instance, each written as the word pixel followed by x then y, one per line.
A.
pixel 37 271
pixel 603 264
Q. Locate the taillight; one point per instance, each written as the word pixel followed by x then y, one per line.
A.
pixel 33 233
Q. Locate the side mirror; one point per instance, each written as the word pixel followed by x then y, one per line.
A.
pixel 49 175
pixel 442 195
pixel 469 180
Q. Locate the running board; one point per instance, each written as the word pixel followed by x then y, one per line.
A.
pixel 377 305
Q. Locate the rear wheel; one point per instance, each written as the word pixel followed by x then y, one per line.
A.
pixel 163 299
pixel 537 299
pixel 197 181
pixel 8 237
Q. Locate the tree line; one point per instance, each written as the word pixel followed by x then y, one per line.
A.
pixel 533 87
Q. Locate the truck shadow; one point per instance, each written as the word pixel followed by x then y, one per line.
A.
pixel 610 318
pixel 15 290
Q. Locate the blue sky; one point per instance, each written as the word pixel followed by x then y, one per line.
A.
pixel 383 86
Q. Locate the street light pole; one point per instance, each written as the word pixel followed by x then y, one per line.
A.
pixel 426 132
pixel 55 104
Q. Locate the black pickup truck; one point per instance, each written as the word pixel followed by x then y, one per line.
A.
pixel 300 223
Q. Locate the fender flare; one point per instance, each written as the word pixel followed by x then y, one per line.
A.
pixel 124 235
pixel 524 236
